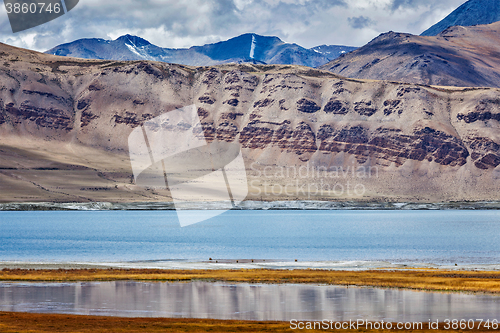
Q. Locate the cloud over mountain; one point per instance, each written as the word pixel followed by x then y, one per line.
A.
pixel 183 23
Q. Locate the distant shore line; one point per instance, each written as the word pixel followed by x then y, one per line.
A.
pixel 218 264
pixel 250 205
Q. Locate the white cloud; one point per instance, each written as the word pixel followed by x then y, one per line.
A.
pixel 242 4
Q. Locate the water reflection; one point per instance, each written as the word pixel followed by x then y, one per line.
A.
pixel 243 301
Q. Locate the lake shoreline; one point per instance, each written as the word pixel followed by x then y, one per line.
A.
pixel 48 323
pixel 250 205
pixel 245 264
pixel 419 279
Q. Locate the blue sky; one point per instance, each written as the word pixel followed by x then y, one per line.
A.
pixel 183 23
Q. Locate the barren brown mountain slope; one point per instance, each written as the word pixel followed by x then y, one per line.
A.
pixel 64 125
pixel 459 56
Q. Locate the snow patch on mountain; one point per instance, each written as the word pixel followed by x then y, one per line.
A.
pixel 262 50
pixel 140 52
pixel 252 48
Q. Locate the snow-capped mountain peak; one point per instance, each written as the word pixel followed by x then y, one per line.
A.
pixel 249 47
pixel 133 40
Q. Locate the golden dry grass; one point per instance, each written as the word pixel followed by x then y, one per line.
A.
pixel 419 279
pixel 50 323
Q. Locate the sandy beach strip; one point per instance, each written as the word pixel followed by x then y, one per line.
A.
pixel 235 264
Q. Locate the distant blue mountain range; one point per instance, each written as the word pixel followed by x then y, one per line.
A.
pixel 250 48
pixel 473 12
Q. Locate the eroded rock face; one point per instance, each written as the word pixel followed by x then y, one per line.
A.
pixel 482 118
pixel 307 106
pixel 408 140
pixel 226 131
pixel 260 135
pixel 86 118
pixel 254 136
pixel 206 100
pixel 36 106
pixel 365 108
pixel 284 109
pixel 485 152
pixel 391 146
pixel 42 117
pixel 131 119
pixel 336 106
pixel 392 106
pixel 485 110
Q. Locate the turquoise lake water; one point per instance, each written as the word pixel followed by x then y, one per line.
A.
pixel 440 237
